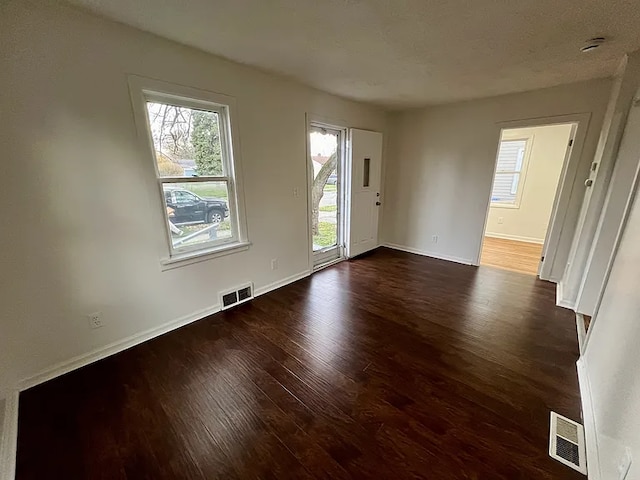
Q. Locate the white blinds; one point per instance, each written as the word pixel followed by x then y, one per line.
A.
pixel 508 171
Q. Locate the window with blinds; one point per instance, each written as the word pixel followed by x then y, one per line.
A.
pixel 508 178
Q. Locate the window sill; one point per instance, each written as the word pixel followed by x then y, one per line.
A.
pixel 504 205
pixel 184 259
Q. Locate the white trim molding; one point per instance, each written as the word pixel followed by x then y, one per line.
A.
pixel 518 238
pixel 138 338
pixel 424 253
pixel 113 348
pixel 560 300
pixel 8 442
pixel 9 439
pixel 588 417
pixel 281 283
pixel 582 331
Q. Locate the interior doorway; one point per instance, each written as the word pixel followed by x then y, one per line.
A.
pixel 326 157
pixel 530 166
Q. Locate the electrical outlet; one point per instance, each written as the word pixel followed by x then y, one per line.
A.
pixel 434 238
pixel 274 264
pixel 296 192
pixel 500 220
pixel 95 320
pixel 624 465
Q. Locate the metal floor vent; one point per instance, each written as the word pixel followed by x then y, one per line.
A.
pixel 236 296
pixel 566 443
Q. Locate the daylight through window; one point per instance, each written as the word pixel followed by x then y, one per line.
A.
pixel 195 171
pixel 509 171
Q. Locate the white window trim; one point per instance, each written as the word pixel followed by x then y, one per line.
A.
pixel 528 139
pixel 144 89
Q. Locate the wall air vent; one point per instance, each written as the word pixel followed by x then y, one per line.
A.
pixel 566 443
pixel 244 294
pixel 236 296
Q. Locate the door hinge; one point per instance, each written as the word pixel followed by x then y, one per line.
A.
pixel 542 258
pixel 571 142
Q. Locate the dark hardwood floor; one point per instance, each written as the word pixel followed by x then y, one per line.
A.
pixel 391 366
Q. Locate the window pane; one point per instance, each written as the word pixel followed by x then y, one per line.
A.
pixel 510 155
pixel 187 141
pixel 198 212
pixel 505 188
pixel 324 148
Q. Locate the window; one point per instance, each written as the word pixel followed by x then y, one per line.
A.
pixel 195 169
pixel 509 177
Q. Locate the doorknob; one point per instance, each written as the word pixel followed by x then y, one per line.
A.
pixel 378 204
pixel 588 182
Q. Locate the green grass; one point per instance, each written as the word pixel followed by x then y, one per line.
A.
pixel 330 188
pixel 329 208
pixel 327 236
pixel 207 189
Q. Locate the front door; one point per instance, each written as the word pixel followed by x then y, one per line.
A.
pixel 365 166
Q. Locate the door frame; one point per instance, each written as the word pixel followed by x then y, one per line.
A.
pixel 343 189
pixel 564 189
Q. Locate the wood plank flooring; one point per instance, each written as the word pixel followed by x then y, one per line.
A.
pixel 390 366
pixel 523 257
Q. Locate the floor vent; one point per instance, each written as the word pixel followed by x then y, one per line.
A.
pixel 566 443
pixel 236 296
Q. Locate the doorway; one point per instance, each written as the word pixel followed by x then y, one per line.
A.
pixel 326 157
pixel 530 165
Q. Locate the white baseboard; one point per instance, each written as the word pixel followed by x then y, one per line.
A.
pixel 281 283
pixel 133 340
pixel 113 348
pixel 560 300
pixel 9 440
pixel 439 256
pixel 517 238
pixel 591 440
pixel 582 331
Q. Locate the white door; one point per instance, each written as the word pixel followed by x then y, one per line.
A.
pixel 365 161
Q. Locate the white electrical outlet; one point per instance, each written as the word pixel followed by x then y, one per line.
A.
pixel 624 465
pixel 274 264
pixel 434 238
pixel 95 320
pixel 296 192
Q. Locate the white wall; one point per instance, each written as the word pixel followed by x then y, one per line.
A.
pixel 528 222
pixel 612 355
pixel 82 227
pixel 440 166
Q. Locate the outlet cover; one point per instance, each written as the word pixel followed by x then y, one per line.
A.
pixel 95 320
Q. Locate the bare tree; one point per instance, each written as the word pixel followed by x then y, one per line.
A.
pixel 171 128
pixel 317 190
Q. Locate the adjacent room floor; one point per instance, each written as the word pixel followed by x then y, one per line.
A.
pixel 390 366
pixel 513 255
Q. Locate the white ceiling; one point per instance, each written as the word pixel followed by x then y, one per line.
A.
pixel 399 53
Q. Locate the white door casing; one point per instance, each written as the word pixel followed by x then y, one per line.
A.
pixel 365 164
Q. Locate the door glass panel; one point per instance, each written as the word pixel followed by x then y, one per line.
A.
pixel 365 173
pixel 324 193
